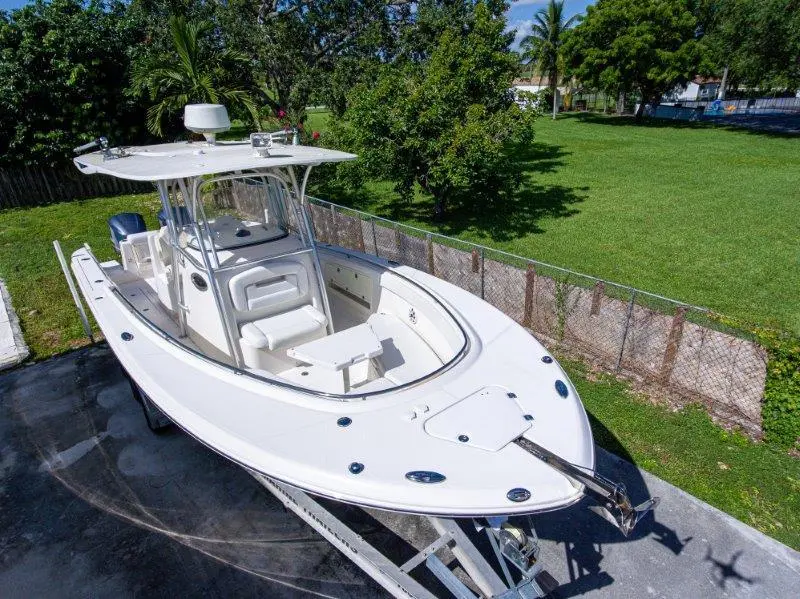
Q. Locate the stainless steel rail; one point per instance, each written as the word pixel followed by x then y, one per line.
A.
pixel 613 497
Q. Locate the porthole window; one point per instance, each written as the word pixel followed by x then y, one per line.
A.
pixel 199 282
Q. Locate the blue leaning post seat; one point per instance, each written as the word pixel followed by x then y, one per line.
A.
pixel 124 224
pixel 181 216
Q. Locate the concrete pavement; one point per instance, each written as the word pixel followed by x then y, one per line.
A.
pixel 94 504
pixel 12 346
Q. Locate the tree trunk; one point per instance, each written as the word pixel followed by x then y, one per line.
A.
pixel 724 85
pixel 555 102
pixel 439 208
pixel 621 102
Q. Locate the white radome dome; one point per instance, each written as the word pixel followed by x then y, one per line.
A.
pixel 208 119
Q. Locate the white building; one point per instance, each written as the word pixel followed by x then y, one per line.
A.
pixel 699 88
pixel 536 84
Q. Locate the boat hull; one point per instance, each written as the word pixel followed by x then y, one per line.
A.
pixel 295 436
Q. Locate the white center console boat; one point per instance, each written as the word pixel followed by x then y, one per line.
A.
pixel 322 369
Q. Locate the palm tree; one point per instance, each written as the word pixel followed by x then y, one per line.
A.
pixel 543 45
pixel 198 74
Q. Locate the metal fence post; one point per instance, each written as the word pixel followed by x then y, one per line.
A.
pixel 374 238
pixel 625 331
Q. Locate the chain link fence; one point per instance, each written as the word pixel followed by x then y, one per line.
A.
pixel 670 348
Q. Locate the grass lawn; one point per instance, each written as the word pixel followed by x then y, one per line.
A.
pixel 705 215
pixel 317 120
pixel 30 268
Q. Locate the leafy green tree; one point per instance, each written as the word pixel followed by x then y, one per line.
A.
pixel 63 71
pixel 758 41
pixel 634 46
pixel 543 46
pixel 308 51
pixel 196 71
pixel 441 116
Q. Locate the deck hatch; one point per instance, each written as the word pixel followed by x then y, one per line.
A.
pixel 489 419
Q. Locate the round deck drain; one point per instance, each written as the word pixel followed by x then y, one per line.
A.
pixel 547 359
pixel 528 417
pixel 463 438
pixel 561 388
pixel 356 468
pixel 126 336
pixel 344 421
pixel 518 495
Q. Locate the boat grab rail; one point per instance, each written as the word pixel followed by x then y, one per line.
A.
pixel 197 264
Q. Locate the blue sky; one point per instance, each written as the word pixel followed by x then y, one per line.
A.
pixel 9 4
pixel 519 15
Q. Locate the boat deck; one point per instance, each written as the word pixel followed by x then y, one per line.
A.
pixel 405 356
pixel 141 294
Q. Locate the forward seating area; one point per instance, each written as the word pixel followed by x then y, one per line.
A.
pixel 405 357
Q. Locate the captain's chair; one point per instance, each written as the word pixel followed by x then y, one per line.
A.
pixel 276 308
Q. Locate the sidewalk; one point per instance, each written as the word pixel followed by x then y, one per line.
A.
pixel 12 346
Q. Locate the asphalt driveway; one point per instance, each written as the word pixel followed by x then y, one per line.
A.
pixel 92 504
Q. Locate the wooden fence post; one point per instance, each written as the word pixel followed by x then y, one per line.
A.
pixel 361 247
pixel 398 242
pixel 597 297
pixel 530 287
pixel 429 252
pixel 334 237
pixel 673 343
pixel 374 236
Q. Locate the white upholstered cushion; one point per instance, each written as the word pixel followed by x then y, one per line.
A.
pixel 269 289
pixel 284 330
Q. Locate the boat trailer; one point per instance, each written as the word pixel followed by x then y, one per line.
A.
pixel 515 548
pixel 478 578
